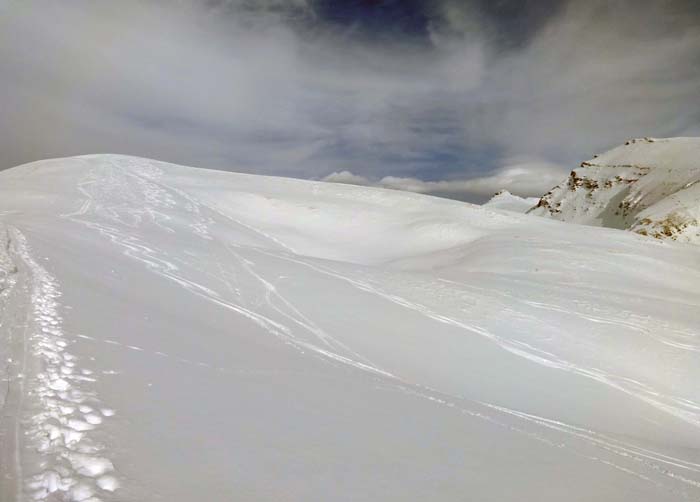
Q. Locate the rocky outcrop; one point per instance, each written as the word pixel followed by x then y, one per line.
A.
pixel 649 186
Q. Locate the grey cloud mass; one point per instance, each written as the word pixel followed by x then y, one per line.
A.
pixel 273 87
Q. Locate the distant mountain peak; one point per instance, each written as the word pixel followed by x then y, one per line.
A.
pixel 648 185
pixel 503 199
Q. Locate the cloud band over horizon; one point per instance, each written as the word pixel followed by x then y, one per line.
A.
pixel 428 95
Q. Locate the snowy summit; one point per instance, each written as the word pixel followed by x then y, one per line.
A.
pixel 183 334
pixel 650 186
pixel 506 200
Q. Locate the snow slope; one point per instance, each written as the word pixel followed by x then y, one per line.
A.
pixel 650 186
pixel 182 334
pixel 509 202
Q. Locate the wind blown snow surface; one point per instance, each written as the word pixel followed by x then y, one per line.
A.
pixel 180 334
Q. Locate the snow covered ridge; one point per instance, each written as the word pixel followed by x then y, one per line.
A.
pixel 265 338
pixel 649 186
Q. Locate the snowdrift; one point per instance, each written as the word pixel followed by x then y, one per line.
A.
pixel 182 334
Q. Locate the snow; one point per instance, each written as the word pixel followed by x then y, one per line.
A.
pixel 509 202
pixel 225 336
pixel 650 186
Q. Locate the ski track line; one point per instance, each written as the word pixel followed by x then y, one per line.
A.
pixel 295 316
pixel 155 262
pixel 186 361
pixel 519 348
pixel 530 354
pixel 634 326
pixel 15 364
pixel 639 454
pixel 72 465
pixel 271 291
pixel 627 453
pixel 167 269
pixel 682 408
pixel 624 451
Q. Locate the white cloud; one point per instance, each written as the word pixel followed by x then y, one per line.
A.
pixel 347 178
pixel 524 178
pixel 245 89
pixel 240 90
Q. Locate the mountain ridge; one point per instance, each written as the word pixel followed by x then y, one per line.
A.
pixel 649 186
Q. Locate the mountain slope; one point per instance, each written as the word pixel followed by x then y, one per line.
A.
pixel 179 334
pixel 649 186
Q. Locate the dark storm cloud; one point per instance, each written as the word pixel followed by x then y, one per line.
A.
pixel 494 92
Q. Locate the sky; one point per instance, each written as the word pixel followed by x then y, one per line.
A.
pixel 457 98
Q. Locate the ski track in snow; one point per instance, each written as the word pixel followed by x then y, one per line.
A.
pixel 657 462
pixel 67 412
pixel 681 407
pixel 571 437
pixel 156 261
pixel 115 180
pixel 13 375
pixel 685 409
